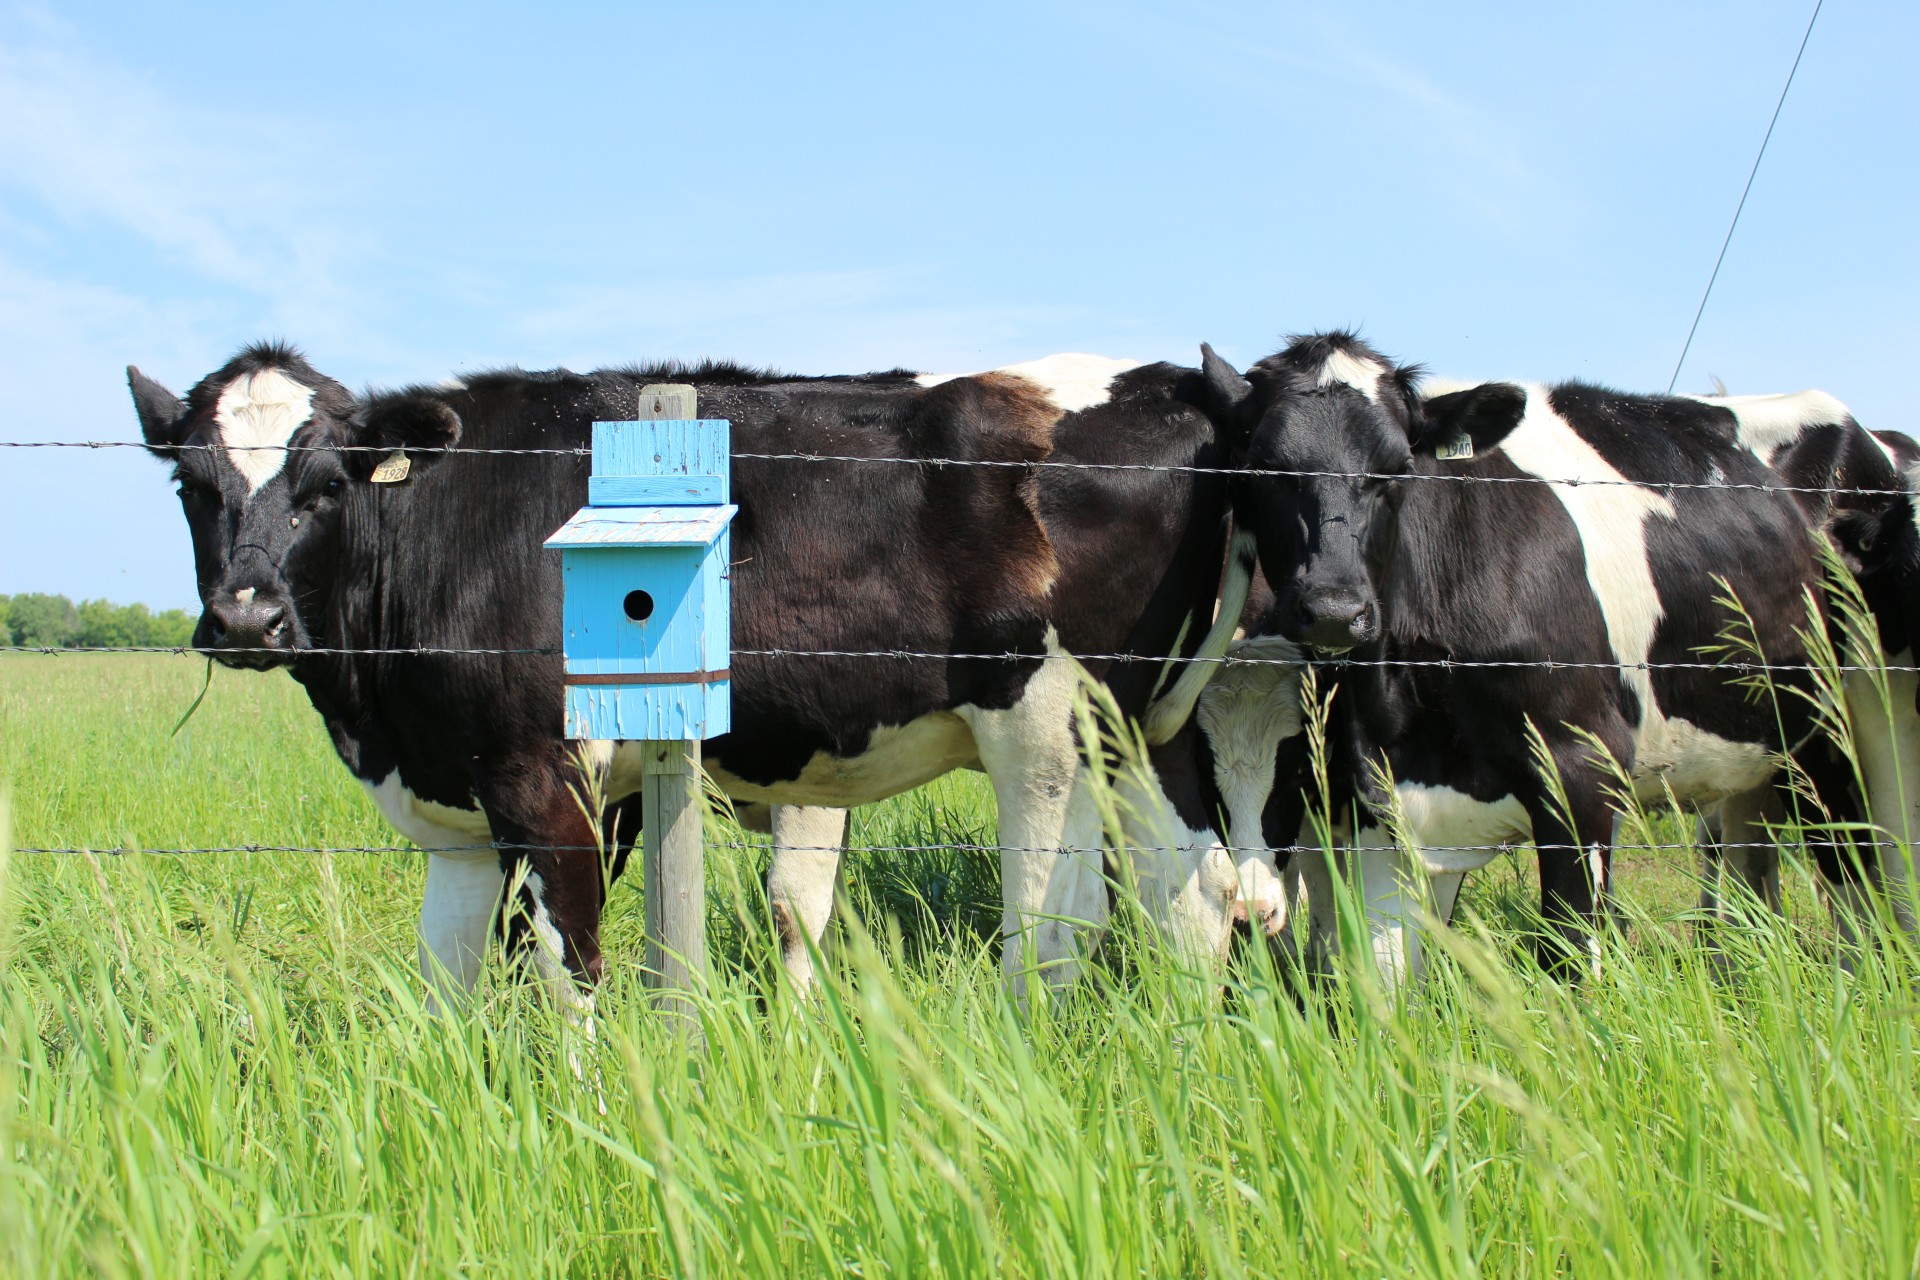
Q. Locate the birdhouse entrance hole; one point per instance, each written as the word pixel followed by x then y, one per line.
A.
pixel 639 605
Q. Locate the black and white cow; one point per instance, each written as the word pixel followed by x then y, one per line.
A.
pixel 1226 758
pixel 1851 485
pixel 299 551
pixel 1856 487
pixel 1397 533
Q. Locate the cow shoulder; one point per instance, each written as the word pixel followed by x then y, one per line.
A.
pixel 987 518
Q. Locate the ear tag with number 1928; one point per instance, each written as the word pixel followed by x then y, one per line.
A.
pixel 393 468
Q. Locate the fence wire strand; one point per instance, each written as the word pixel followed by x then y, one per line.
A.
pixel 583 451
pixel 1334 662
pixel 1729 667
pixel 765 846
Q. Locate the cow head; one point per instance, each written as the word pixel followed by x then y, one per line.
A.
pixel 264 491
pixel 1341 423
pixel 1882 547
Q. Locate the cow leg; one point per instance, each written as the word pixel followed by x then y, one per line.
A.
pixel 456 921
pixel 1743 853
pixel 1185 877
pixel 463 887
pixel 554 867
pixel 1445 886
pixel 1396 890
pixel 1887 736
pixel 800 883
pixel 1849 866
pixel 1575 871
pixel 1314 871
pixel 1046 868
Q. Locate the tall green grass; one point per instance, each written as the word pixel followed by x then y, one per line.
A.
pixel 222 1065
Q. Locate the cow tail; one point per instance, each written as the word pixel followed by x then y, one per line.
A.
pixel 1166 714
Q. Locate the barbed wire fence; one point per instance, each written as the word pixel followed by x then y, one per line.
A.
pixel 1731 666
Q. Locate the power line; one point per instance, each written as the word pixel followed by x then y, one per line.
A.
pixel 1671 382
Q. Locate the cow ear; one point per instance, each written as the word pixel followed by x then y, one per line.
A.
pixel 1480 417
pixel 1225 387
pixel 1856 535
pixel 161 412
pixel 416 425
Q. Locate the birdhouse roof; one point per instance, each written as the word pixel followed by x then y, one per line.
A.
pixel 643 527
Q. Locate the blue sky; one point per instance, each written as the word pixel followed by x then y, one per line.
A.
pixel 409 191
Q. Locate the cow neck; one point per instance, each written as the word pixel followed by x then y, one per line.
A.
pixel 1424 581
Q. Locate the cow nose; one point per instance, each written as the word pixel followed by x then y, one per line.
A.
pixel 246 621
pixel 1336 621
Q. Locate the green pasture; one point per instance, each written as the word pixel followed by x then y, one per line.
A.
pixel 220 1064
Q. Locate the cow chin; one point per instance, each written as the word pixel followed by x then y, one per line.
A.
pixel 243 660
pixel 249 653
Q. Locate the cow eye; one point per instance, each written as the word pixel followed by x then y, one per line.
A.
pixel 331 489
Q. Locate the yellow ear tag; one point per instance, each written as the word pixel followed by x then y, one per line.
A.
pixel 393 468
pixel 1458 447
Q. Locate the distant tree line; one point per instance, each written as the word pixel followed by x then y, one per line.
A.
pixel 37 620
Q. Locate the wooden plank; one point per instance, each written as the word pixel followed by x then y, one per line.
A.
pixel 675 878
pixel 617 527
pixel 667 402
pixel 647 491
pixel 694 447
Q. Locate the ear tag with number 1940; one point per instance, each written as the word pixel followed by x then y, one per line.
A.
pixel 1456 448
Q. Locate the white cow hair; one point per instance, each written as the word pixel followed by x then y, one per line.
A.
pixel 1610 520
pixel 257 414
pixel 1765 423
pixel 1343 368
pixel 1072 380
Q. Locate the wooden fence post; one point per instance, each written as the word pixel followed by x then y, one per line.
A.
pixel 674 868
pixel 647 616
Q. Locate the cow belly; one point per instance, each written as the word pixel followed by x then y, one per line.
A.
pixel 898 758
pixel 1695 766
pixel 1456 832
pixel 427 824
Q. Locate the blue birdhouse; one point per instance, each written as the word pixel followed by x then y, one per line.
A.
pixel 647 613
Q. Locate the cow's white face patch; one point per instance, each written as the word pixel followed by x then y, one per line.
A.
pixel 1072 380
pixel 257 414
pixel 1767 424
pixel 1347 370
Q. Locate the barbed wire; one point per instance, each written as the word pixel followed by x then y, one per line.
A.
pixel 187 650
pixel 583 451
pixel 1730 667
pixel 768 846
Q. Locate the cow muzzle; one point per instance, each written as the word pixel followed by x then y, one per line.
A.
pixel 1335 621
pixel 247 628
